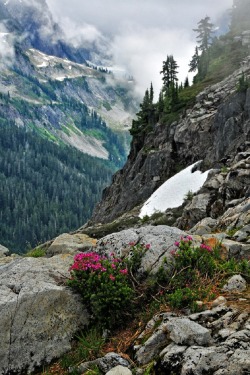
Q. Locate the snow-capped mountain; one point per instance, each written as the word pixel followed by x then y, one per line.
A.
pixel 43 70
pixel 50 97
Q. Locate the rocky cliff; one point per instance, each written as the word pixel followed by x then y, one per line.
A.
pixel 215 129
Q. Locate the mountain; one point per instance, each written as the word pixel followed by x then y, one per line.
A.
pixel 172 287
pixel 50 99
pixel 33 21
pixel 208 122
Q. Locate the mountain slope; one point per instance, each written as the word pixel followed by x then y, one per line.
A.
pixel 212 130
pixel 50 99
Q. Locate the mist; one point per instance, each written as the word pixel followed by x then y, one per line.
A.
pixel 6 47
pixel 138 34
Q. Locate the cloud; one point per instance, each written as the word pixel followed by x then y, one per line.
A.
pixel 144 50
pixel 141 32
pixel 6 47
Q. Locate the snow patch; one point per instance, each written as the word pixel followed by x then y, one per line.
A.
pixel 172 193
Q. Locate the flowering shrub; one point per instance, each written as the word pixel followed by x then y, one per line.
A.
pixel 188 275
pixel 104 285
pixel 199 260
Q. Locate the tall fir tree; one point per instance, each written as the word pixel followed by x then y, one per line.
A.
pixel 170 83
pixel 205 31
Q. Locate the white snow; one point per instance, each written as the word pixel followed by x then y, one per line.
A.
pixel 172 193
pixel 60 78
pixel 42 65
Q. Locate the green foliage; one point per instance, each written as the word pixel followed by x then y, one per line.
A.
pixel 136 254
pixel 232 266
pixel 45 189
pixel 204 31
pixel 107 106
pixel 194 272
pixel 146 117
pixel 104 286
pixel 189 196
pixel 243 84
pixel 184 297
pixel 89 344
pixel 36 253
pixel 231 232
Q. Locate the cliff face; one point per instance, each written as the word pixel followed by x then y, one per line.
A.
pixel 214 130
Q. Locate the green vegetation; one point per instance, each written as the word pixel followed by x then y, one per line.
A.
pixel 36 253
pixel 114 288
pixel 89 346
pixel 45 189
pixel 195 273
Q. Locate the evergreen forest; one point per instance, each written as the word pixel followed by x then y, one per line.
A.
pixel 45 189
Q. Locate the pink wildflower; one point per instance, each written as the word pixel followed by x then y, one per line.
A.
pixel 205 247
pixel 147 246
pixel 112 277
pixel 177 243
pixel 124 272
pixel 173 252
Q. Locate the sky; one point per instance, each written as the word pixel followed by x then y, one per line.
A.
pixel 140 33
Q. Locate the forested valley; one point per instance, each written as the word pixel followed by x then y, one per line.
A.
pixel 44 189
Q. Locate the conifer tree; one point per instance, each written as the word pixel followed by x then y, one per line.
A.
pixel 169 71
pixel 204 38
pixel 204 30
pixel 170 83
pixel 186 83
pixel 194 63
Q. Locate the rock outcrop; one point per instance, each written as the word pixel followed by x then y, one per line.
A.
pixel 38 314
pixel 214 341
pixel 215 130
pixel 160 238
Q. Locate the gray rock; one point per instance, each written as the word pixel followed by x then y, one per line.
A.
pixel 236 283
pixel 70 244
pixel 237 216
pixel 172 357
pixel 243 335
pixel 119 370
pixel 238 363
pixel 186 332
pixel 106 363
pixel 161 239
pixel 38 315
pixel 243 234
pixel 219 301
pixel 233 248
pixel 197 209
pixel 3 251
pixel 204 226
pixel 112 360
pixel 198 360
pixel 152 347
pixel 216 127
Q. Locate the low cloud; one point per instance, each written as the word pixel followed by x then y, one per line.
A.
pixel 6 47
pixel 80 34
pixel 139 34
pixel 144 51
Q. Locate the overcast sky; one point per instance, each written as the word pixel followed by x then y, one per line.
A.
pixel 142 32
